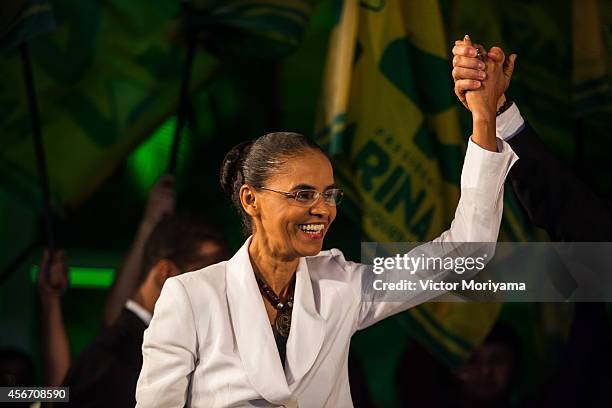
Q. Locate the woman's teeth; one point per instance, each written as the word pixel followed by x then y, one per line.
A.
pixel 312 228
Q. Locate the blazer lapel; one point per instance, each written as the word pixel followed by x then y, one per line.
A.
pixel 307 327
pixel 252 329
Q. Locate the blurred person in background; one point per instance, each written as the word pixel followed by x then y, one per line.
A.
pixel 161 202
pixel 485 380
pixel 105 373
pixel 52 283
pixel 16 370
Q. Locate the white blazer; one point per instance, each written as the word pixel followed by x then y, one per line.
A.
pixel 210 343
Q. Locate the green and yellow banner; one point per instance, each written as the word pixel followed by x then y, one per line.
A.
pixel 105 78
pixel 390 121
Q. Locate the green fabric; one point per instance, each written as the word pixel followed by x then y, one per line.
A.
pixel 105 79
pixel 252 28
pixel 563 67
pixel 22 20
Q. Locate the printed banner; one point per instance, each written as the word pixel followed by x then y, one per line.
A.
pixel 389 120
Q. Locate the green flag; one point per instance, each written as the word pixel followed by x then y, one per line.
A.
pixel 105 79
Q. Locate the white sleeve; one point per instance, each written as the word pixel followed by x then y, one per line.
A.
pixel 509 123
pixel 168 350
pixel 477 219
pixel 478 214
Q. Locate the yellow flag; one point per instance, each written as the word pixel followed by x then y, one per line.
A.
pixel 389 120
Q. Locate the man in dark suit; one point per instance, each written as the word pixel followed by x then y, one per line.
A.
pixel 106 372
pixel 553 197
pixel 551 194
pixel 557 201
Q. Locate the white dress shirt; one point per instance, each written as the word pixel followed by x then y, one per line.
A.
pixel 139 311
pixel 210 343
pixel 509 123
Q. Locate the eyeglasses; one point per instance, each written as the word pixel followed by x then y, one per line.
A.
pixel 333 196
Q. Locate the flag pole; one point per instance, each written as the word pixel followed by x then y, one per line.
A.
pixel 184 104
pixel 38 146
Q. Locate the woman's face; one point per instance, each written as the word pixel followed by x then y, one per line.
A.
pixel 287 228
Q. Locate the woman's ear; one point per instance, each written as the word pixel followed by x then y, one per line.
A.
pixel 248 201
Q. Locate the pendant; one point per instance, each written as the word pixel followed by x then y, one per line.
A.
pixel 283 323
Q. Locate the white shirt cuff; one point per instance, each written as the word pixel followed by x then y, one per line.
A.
pixel 509 123
pixel 484 172
pixel 139 311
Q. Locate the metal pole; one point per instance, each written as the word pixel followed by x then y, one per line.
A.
pixel 38 146
pixel 183 107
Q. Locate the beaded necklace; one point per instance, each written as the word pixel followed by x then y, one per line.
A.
pixel 282 323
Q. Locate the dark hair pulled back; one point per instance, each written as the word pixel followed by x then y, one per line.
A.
pixel 253 162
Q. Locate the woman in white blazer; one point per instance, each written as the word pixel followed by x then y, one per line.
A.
pixel 272 326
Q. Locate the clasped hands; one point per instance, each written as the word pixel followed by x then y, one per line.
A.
pixel 480 84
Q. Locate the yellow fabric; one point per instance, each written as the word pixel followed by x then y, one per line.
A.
pixel 389 120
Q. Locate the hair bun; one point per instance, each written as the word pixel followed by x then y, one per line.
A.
pixel 231 167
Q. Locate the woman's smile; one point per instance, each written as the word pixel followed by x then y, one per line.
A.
pixel 313 230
